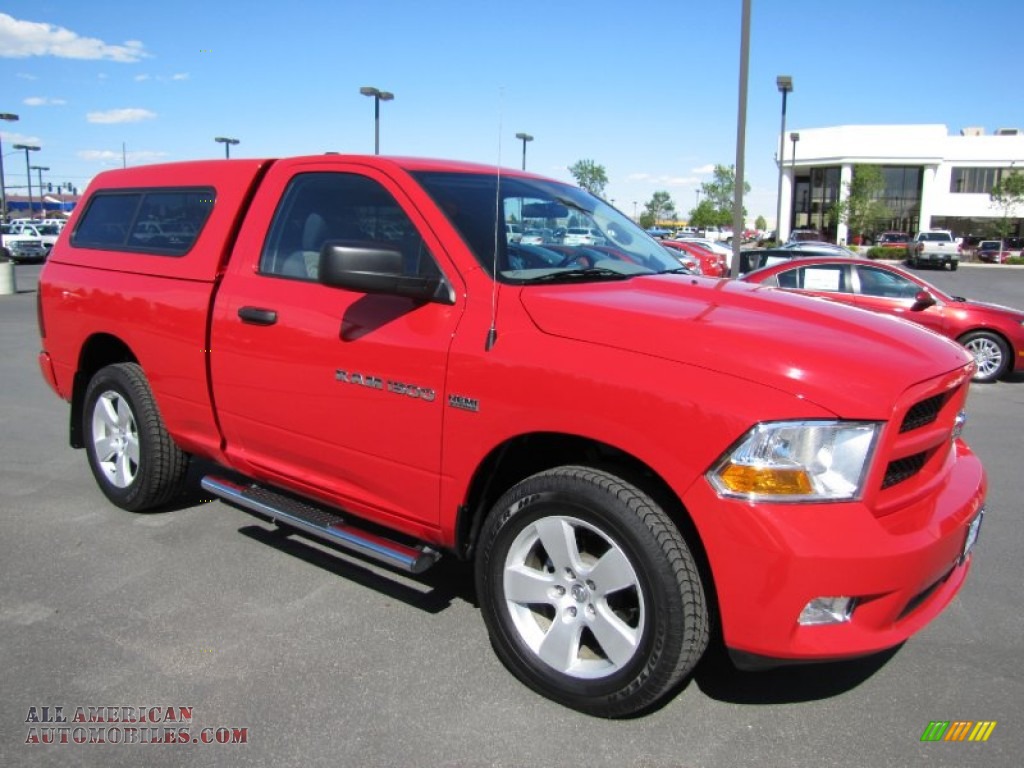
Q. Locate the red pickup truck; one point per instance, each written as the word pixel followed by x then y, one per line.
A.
pixel 637 461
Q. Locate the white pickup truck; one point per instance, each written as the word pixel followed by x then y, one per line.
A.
pixel 20 246
pixel 934 247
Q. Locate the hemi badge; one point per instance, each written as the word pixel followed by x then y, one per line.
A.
pixel 464 403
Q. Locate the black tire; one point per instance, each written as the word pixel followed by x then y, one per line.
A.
pixel 991 353
pixel 619 617
pixel 953 266
pixel 134 460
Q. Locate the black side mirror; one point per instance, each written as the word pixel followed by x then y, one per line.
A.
pixel 376 268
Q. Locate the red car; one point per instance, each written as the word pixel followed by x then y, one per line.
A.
pixel 711 264
pixel 993 334
pixel 893 240
pixel 992 252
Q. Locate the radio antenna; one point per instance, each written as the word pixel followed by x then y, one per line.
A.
pixel 492 332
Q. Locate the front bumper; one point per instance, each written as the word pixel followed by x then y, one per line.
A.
pixel 937 258
pixel 903 569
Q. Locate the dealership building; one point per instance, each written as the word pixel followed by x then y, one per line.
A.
pixel 933 179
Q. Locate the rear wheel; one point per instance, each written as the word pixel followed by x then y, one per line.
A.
pixel 589 592
pixel 991 353
pixel 132 457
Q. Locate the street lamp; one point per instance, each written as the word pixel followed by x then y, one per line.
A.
pixel 525 138
pixel 28 173
pixel 3 190
pixel 378 97
pixel 785 85
pixel 227 145
pixel 39 169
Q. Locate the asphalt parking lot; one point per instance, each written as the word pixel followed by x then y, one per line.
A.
pixel 319 659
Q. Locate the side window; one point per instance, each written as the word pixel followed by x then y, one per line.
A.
pixel 338 207
pixel 107 221
pixel 159 221
pixel 825 278
pixel 787 279
pixel 879 282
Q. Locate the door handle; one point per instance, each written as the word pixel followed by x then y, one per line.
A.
pixel 257 315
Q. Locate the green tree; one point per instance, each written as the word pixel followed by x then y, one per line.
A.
pixel 719 194
pixel 1006 196
pixel 660 206
pixel 862 209
pixel 645 220
pixel 590 176
pixel 760 224
pixel 704 215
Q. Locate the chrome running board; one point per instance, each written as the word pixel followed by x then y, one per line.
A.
pixel 321 523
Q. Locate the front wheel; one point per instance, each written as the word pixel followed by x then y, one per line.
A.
pixel 991 353
pixel 135 462
pixel 589 592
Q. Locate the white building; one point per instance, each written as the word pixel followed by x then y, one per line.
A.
pixel 933 179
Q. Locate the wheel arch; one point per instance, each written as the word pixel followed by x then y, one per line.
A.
pixel 524 455
pixel 98 351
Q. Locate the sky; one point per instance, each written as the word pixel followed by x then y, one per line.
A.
pixel 647 89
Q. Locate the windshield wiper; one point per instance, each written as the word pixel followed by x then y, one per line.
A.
pixel 581 274
pixel 571 204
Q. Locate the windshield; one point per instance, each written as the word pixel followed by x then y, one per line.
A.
pixel 580 235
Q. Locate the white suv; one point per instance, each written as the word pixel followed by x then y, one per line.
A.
pixel 581 236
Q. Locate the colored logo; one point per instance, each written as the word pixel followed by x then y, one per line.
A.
pixel 958 730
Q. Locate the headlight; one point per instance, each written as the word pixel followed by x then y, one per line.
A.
pixel 798 461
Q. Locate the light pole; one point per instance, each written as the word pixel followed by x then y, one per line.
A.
pixel 525 138
pixel 794 137
pixel 3 190
pixel 28 172
pixel 785 85
pixel 378 97
pixel 39 169
pixel 738 219
pixel 227 145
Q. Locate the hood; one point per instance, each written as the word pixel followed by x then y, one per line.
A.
pixel 998 309
pixel 849 361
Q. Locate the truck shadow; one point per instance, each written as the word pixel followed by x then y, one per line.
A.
pixel 718 678
pixel 431 592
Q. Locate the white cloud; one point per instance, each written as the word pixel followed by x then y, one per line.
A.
pixel 21 39
pixel 127 115
pixel 26 76
pixel 663 180
pixel 180 76
pixel 42 101
pixel 140 78
pixel 19 138
pixel 704 169
pixel 109 156
pixel 679 181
